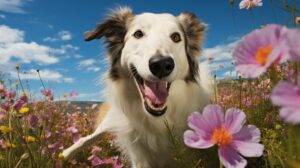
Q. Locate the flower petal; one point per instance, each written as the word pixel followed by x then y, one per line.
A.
pixel 249 133
pixel 293 40
pixel 286 94
pixel 194 140
pixel 248 149
pixel 290 114
pixel 230 158
pixel 234 120
pixel 198 123
pixel 214 115
pixel 250 70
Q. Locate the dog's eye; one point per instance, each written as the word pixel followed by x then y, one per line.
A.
pixel 176 37
pixel 138 34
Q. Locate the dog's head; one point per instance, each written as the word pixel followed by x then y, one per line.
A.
pixel 153 49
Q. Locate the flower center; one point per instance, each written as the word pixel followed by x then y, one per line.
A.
pixel 221 136
pixel 262 54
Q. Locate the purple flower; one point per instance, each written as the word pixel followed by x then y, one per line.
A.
pixel 48 93
pixel 18 104
pixel 288 96
pixel 5 105
pixel 260 49
pixel 96 161
pixel 228 132
pixel 33 120
pixel 11 94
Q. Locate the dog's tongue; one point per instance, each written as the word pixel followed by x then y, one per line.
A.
pixel 157 92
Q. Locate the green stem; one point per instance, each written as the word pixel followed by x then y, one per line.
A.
pixel 41 80
pixel 221 165
pixel 20 81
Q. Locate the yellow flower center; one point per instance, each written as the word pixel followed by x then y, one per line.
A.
pixel 30 139
pixel 24 110
pixel 221 136
pixel 262 54
pixel 5 129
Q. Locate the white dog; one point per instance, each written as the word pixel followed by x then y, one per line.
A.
pixel 153 79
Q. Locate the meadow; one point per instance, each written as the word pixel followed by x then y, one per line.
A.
pixel 34 129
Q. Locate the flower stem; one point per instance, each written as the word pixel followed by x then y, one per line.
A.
pixel 41 79
pixel 20 80
pixel 221 165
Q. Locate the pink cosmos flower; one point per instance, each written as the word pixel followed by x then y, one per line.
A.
pixel 293 40
pixel 260 49
pixel 73 94
pixel 288 96
pixel 249 4
pixel 48 93
pixel 11 94
pixel 228 132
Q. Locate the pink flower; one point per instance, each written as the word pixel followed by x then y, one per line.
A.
pixel 96 150
pixel 2 91
pixel 11 94
pixel 260 49
pixel 18 104
pixel 288 96
pixel 293 40
pixel 48 93
pixel 5 105
pixel 73 94
pixel 96 161
pixel 210 58
pixel 72 130
pixel 249 4
pixel 228 132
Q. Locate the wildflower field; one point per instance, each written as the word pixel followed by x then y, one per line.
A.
pixel 253 119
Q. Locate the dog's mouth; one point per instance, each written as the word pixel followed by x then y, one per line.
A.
pixel 154 93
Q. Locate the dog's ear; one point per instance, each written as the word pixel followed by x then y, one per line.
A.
pixel 113 28
pixel 194 32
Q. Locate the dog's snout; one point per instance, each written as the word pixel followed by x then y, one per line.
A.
pixel 161 66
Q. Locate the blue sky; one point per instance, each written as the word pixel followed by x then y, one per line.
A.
pixel 48 35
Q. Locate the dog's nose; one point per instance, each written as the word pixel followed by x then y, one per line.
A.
pixel 161 66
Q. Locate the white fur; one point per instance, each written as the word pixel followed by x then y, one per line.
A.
pixel 141 137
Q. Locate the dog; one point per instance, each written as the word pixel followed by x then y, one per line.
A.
pixel 154 79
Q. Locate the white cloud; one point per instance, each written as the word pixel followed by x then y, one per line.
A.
pixel 14 50
pixel 68 80
pixel 51 39
pixel 63 35
pixel 2 16
pixel 86 63
pixel 13 6
pixel 220 57
pixel 13 47
pixel 89 65
pixel 47 75
pixel 10 35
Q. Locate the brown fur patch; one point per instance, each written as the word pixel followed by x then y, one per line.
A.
pixel 102 113
pixel 194 33
pixel 114 28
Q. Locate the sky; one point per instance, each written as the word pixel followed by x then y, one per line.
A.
pixel 48 35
